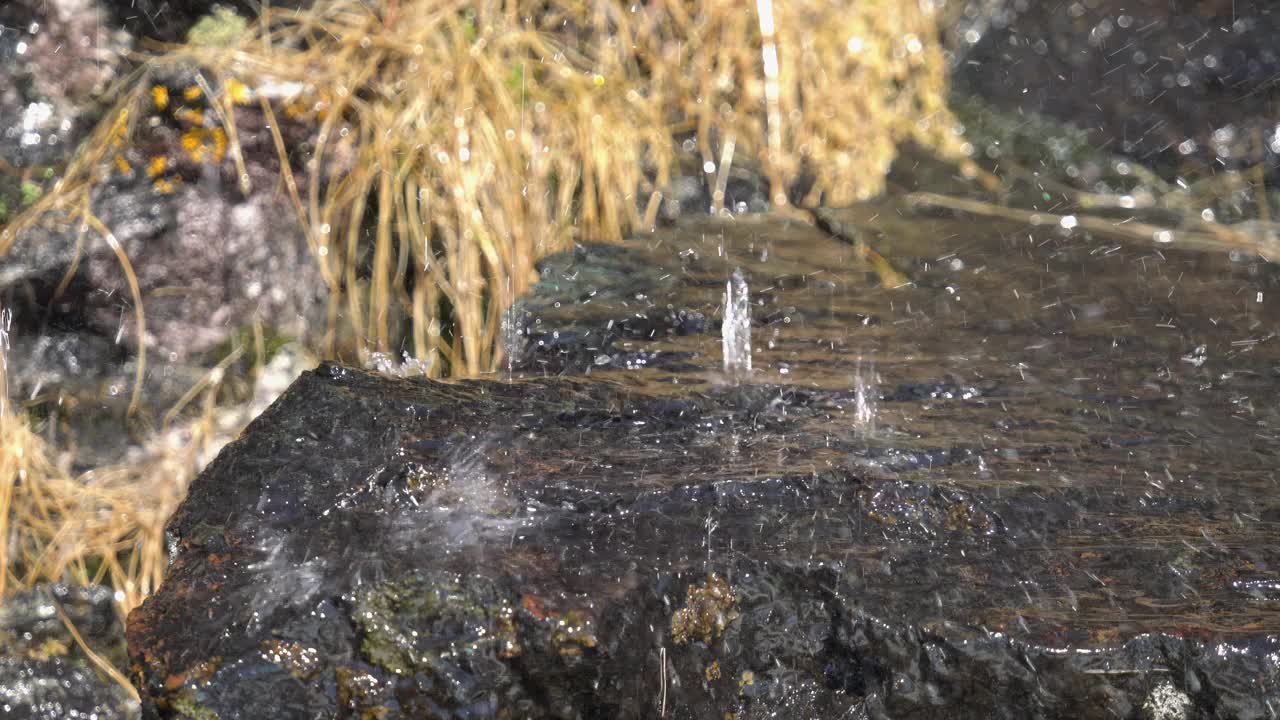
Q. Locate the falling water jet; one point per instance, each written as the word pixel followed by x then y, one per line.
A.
pixel 864 401
pixel 511 338
pixel 735 330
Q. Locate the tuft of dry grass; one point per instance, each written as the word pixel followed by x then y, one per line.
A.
pixel 803 89
pixel 105 526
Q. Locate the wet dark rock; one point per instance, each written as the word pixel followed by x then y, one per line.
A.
pixel 745 192
pixel 209 258
pixel 209 264
pixel 59 56
pixel 604 277
pixel 1047 514
pixel 1183 86
pixel 44 671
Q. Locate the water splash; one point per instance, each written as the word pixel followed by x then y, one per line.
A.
pixel 864 401
pixel 735 331
pixel 511 335
pixel 512 339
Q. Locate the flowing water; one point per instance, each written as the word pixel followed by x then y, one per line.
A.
pixel 1099 419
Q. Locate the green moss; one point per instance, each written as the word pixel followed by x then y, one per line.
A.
pixel 402 621
pixel 31 192
pixel 220 28
pixel 243 337
pixel 186 706
pixel 1023 138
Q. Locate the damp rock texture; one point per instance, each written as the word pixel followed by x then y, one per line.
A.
pixel 59 56
pixel 1184 86
pixel 45 672
pixel 1037 482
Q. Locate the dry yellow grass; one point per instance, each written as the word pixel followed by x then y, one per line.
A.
pixel 456 143
pixel 799 87
pixel 105 526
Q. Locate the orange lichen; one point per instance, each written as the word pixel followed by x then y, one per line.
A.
pixel 191 93
pixel 708 609
pixel 160 97
pixel 219 144
pixel 238 92
pixel 193 142
pixel 122 165
pixel 157 165
pixel 163 186
pixel 203 144
pixel 187 115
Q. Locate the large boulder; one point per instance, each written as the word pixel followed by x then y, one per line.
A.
pixel 1035 483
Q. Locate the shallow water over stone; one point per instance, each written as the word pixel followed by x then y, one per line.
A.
pixel 1038 481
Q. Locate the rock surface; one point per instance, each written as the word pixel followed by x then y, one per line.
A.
pixel 1038 483
pixel 44 672
pixel 1182 85
pixel 59 57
